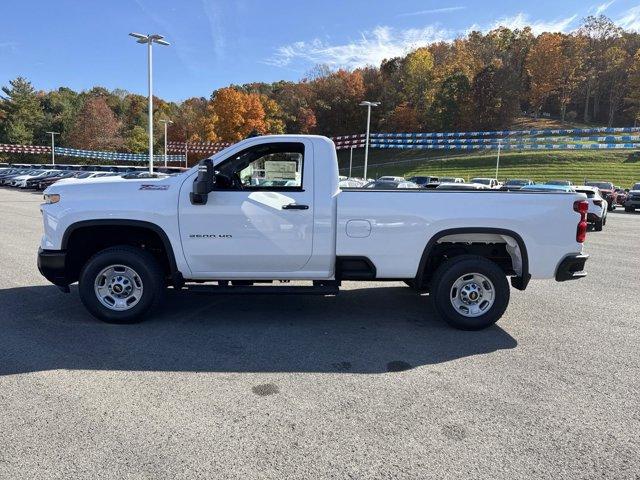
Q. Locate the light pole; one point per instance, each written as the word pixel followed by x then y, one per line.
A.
pixel 53 146
pixel 150 40
pixel 498 159
pixel 366 145
pixel 166 122
pixel 350 160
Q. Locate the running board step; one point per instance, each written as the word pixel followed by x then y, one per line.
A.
pixel 266 290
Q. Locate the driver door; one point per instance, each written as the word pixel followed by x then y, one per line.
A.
pixel 258 222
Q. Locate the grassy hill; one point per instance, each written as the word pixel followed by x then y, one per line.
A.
pixel 619 167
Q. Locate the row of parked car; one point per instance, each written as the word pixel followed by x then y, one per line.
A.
pixel 39 177
pixel 603 197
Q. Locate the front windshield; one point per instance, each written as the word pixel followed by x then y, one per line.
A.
pixel 636 187
pixel 516 182
pixel 565 183
pixel 600 185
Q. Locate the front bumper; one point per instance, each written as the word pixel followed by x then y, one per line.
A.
pixel 571 267
pixel 52 265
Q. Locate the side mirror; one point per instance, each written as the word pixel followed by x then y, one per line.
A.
pixel 204 183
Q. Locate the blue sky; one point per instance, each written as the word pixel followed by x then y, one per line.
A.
pixel 81 43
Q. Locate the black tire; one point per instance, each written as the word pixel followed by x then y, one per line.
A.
pixel 597 226
pixel 450 271
pixel 629 209
pixel 604 220
pixel 143 263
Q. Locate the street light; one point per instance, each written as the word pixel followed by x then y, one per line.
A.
pixel 166 122
pixel 150 40
pixel 53 146
pixel 366 145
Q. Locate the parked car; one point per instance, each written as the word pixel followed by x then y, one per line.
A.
pixel 489 182
pixel 543 187
pixel 389 178
pixel 633 198
pixel 607 191
pixel 351 183
pixel 125 241
pixel 621 196
pixel 424 181
pixel 462 186
pixel 516 184
pixel 7 177
pixel 598 207
pixel 20 181
pixel 42 183
pixel 391 184
pixel 32 182
pixel 564 183
pixel 451 180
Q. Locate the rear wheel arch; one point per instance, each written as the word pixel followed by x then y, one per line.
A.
pixel 426 266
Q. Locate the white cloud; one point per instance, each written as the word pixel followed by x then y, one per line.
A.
pixel 373 47
pixel 386 42
pixel 630 20
pixel 434 10
pixel 521 20
pixel 599 9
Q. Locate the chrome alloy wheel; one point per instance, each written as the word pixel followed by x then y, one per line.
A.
pixel 472 295
pixel 118 287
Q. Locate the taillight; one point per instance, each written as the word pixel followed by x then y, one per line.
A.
pixel 582 207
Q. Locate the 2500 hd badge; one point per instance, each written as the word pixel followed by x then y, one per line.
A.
pixel 212 235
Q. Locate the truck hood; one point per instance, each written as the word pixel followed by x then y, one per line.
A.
pixel 105 186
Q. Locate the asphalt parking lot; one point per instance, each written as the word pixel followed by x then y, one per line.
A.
pixel 369 384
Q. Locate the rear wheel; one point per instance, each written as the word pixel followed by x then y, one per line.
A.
pixel 121 284
pixel 470 292
pixel 629 209
pixel 597 226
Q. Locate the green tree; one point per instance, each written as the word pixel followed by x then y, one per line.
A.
pixel 451 105
pixel 22 112
pixel 136 140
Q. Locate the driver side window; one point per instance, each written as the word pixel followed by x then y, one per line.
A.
pixel 270 166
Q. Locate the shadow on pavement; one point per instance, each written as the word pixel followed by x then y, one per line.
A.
pixel 368 330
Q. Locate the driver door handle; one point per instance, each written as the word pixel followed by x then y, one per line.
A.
pixel 295 206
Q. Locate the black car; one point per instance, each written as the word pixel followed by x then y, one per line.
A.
pixel 516 184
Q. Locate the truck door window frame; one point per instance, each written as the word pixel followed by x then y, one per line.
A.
pixel 229 166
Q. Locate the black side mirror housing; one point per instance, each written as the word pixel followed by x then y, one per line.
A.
pixel 204 183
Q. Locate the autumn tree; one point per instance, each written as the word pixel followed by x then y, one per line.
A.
pixel 233 115
pixel 336 101
pixel 96 127
pixel 403 118
pixel 418 79
pixel 544 66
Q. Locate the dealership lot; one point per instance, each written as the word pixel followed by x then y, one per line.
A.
pixel 369 384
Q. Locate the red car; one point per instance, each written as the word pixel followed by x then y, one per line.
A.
pixel 608 192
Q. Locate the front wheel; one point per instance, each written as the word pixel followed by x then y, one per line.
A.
pixel 121 284
pixel 470 292
pixel 629 209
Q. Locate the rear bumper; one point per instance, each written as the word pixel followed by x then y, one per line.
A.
pixel 52 265
pixel 571 267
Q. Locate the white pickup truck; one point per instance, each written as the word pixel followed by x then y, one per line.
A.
pixel 269 209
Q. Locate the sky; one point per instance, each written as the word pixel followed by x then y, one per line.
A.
pixel 214 43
